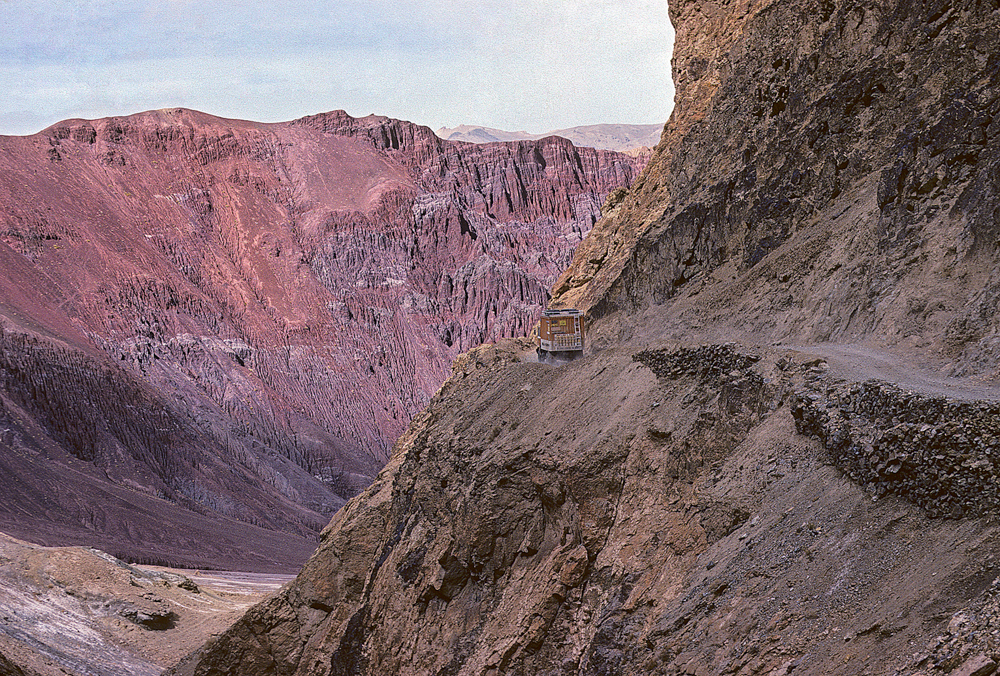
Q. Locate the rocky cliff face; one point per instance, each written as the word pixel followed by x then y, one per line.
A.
pixel 663 506
pixel 837 159
pixel 240 318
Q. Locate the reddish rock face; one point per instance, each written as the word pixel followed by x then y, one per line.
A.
pixel 241 318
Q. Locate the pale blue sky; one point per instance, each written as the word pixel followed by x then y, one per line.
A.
pixel 509 64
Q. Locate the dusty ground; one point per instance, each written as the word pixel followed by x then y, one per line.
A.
pixel 79 611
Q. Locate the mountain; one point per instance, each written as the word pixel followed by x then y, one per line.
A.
pixel 211 331
pixel 779 455
pixel 620 137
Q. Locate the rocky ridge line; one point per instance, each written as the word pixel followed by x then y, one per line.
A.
pixel 257 309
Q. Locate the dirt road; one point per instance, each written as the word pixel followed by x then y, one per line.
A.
pixel 861 363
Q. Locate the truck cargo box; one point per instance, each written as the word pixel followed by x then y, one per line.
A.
pixel 560 334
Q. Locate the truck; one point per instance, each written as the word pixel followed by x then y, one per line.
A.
pixel 560 335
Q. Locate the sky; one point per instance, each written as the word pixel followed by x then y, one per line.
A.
pixel 517 65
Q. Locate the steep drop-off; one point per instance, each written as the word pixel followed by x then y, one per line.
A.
pixel 229 323
pixel 655 512
pixel 663 506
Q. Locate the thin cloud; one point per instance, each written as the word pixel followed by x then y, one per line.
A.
pixel 513 64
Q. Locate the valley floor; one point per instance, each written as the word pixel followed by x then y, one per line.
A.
pixel 80 611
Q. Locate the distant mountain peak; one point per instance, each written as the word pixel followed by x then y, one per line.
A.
pixel 620 137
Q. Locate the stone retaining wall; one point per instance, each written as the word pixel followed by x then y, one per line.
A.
pixel 941 454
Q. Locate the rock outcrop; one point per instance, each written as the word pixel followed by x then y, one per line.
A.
pixel 664 506
pixel 240 318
